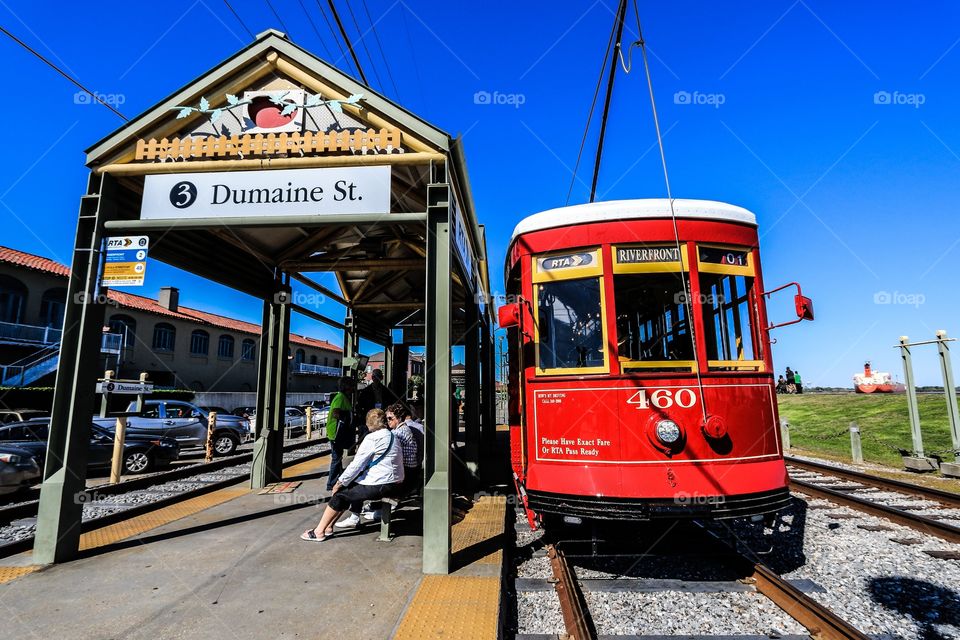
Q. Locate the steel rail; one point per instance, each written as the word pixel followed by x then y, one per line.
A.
pixel 905 518
pixel 937 495
pixel 25 544
pixel 572 605
pixel 821 622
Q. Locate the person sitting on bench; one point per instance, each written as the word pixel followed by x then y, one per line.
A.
pixel 375 472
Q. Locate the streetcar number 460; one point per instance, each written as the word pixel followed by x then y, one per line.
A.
pixel 663 398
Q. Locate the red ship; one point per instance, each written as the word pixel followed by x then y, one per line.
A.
pixel 871 381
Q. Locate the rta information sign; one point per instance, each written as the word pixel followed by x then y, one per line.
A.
pixel 277 192
pixel 126 262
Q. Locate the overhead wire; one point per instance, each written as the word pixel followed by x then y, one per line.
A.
pixel 346 39
pixel 413 51
pixel 363 42
pixel 621 15
pixel 673 214
pixel 277 16
pixel 386 63
pixel 63 73
pixel 315 30
pixel 239 19
pixel 593 104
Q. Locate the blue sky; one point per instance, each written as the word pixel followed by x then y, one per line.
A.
pixel 834 122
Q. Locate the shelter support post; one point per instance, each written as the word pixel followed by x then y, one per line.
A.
pixel 437 503
pixel 488 407
pixel 351 345
pixel 64 476
pixel 471 389
pixel 271 391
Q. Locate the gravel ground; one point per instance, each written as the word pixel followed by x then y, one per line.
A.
pixel 679 613
pixel 110 504
pixel 882 587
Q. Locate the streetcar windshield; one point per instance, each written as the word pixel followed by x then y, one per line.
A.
pixel 652 322
pixel 570 327
pixel 728 321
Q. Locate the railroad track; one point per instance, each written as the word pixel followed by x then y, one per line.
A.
pixel 930 511
pixel 754 576
pixel 198 475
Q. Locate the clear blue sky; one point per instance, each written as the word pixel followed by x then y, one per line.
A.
pixel 856 192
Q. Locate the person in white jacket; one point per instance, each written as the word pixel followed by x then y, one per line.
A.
pixel 375 472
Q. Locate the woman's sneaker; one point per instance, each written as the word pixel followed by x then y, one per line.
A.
pixel 349 522
pixel 370 516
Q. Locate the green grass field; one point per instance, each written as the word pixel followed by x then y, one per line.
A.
pixel 817 419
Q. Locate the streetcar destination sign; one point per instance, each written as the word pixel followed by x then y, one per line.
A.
pixel 641 255
pixel 276 192
pixel 735 257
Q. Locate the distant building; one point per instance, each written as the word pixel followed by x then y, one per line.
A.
pixel 177 346
pixel 414 364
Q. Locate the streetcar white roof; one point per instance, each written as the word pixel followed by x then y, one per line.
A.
pixel 649 208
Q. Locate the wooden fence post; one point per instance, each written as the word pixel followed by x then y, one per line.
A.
pixel 211 427
pixel 785 433
pixel 309 422
pixel 119 435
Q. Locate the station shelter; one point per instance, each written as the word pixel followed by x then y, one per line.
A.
pixel 269 168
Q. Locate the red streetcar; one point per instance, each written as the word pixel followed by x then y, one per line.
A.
pixel 640 377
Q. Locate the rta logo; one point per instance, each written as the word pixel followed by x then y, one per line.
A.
pixel 183 194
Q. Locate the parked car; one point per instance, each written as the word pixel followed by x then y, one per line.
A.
pixel 316 404
pixel 187 424
pixel 21 415
pixel 295 419
pixel 141 451
pixel 220 411
pixel 244 412
pixel 18 469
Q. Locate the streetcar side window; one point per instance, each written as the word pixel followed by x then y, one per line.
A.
pixel 728 321
pixel 570 325
pixel 653 326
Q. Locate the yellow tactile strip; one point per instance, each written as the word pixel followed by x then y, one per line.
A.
pixel 461 607
pixel 483 522
pixel 141 524
pixel 8 574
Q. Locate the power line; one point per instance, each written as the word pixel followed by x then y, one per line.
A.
pixel 277 16
pixel 386 63
pixel 239 19
pixel 593 104
pixel 346 38
pixel 621 14
pixel 363 41
pixel 315 30
pixel 343 54
pixel 413 52
pixel 61 72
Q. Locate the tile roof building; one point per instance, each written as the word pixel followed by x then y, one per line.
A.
pixel 177 346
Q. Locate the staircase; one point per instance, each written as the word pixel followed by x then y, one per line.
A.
pixel 30 369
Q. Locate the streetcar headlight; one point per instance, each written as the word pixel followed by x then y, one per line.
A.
pixel 668 432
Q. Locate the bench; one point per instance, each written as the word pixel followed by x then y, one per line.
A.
pixel 387 507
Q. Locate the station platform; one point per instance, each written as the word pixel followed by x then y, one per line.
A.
pixel 230 564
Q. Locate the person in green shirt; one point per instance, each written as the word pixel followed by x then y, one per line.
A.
pixel 339 418
pixel 798 381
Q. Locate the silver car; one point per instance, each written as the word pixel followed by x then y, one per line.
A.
pixel 18 469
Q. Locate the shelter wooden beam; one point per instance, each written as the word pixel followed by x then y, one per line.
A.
pixel 370 159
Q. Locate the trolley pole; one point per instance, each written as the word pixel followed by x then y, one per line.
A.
pixel 918 462
pixel 950 390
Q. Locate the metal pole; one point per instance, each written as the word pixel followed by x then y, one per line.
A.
pixel 471 387
pixel 912 407
pixel 856 446
pixel 949 388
